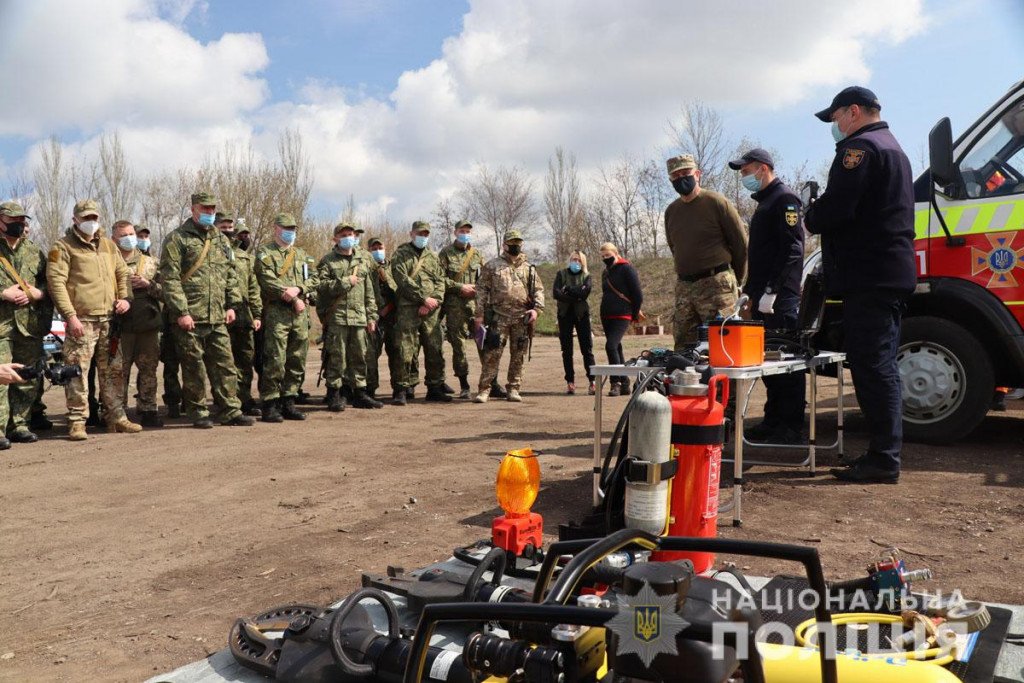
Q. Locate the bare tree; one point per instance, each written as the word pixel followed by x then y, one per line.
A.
pixel 162 204
pixel 700 132
pixel 621 185
pixel 502 200
pixel 118 190
pixel 655 194
pixel 53 192
pixel 349 213
pixel 443 221
pixel 18 188
pixel 563 204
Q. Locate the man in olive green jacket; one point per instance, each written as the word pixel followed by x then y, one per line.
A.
pixel 24 318
pixel 288 281
pixel 88 283
pixel 248 314
pixel 201 294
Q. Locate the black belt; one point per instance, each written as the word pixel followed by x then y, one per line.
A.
pixel 700 275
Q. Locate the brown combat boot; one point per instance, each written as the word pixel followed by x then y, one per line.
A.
pixel 76 431
pixel 123 425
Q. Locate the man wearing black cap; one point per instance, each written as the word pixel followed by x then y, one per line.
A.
pixel 866 222
pixel 775 262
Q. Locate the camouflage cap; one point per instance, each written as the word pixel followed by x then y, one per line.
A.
pixel 204 199
pixel 345 226
pixel 139 229
pixel 87 207
pixel 285 220
pixel 375 240
pixel 225 215
pixel 463 224
pixel 513 236
pixel 13 210
pixel 683 162
pixel 419 226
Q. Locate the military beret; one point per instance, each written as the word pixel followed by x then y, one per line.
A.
pixel 682 162
pixel 345 226
pixel 225 215
pixel 419 226
pixel 756 154
pixel 855 94
pixel 285 220
pixel 513 236
pixel 463 224
pixel 13 210
pixel 204 199
pixel 87 207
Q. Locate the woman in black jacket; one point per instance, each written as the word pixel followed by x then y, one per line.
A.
pixel 572 288
pixel 621 298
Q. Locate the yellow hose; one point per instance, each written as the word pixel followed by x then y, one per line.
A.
pixel 936 655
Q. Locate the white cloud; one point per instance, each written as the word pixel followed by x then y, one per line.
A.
pixel 597 76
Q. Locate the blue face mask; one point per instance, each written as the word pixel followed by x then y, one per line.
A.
pixel 420 241
pixel 144 244
pixel 751 182
pixel 207 219
pixel 346 242
pixel 288 237
pixel 128 242
pixel 575 266
pixel 378 255
pixel 464 238
pixel 836 133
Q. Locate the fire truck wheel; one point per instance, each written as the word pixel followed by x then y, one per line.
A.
pixel 947 380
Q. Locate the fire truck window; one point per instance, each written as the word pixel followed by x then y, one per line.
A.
pixel 994 165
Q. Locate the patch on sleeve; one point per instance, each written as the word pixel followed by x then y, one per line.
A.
pixel 264 256
pixel 54 255
pixel 852 158
pixel 792 215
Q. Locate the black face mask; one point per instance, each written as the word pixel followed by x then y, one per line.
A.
pixel 515 249
pixel 230 234
pixel 245 242
pixel 15 229
pixel 684 185
pixel 609 261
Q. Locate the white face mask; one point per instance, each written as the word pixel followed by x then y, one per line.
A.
pixel 89 227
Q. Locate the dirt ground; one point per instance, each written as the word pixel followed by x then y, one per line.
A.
pixel 125 556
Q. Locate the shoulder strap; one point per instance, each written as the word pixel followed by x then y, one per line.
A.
pixel 419 264
pixel 14 274
pixel 288 261
pixel 199 262
pixel 470 253
pixel 622 296
pixel 141 264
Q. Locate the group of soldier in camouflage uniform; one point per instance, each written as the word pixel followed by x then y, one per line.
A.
pixel 210 308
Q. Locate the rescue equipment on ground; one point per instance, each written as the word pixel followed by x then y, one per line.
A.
pixel 518 531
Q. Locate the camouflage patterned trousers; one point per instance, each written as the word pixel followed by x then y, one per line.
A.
pixel 285 345
pixel 458 316
pixel 345 351
pixel 243 349
pixel 16 399
pixel 414 332
pixel 94 345
pixel 385 343
pixel 141 349
pixel 205 351
pixel 517 335
pixel 699 301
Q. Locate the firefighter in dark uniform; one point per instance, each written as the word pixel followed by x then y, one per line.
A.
pixel 866 222
pixel 775 263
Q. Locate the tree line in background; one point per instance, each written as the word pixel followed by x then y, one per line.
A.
pixel 624 205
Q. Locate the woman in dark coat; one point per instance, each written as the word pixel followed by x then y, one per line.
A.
pixel 572 288
pixel 620 307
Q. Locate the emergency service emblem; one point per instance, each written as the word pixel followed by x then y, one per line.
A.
pixel 852 158
pixel 647 624
pixel 1000 260
pixel 792 216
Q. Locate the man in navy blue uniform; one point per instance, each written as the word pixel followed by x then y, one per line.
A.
pixel 775 254
pixel 866 222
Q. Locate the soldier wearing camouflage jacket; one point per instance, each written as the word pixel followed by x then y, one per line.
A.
pixel 288 282
pixel 249 312
pixel 201 294
pixel 461 263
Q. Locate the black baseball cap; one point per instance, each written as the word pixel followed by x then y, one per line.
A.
pixel 756 154
pixel 855 94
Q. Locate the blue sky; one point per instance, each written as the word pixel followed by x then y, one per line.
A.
pixel 396 100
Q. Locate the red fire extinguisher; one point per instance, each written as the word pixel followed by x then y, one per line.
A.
pixel 698 432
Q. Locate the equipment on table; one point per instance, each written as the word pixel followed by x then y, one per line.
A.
pixel 888 580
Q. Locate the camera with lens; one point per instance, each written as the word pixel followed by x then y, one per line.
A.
pixel 57 372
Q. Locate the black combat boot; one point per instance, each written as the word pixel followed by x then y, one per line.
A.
pixel 173 410
pixel 497 391
pixel 464 386
pixel 446 388
pixel 304 399
pixel 272 411
pixel 150 418
pixel 335 401
pixel 398 397
pixel 39 422
pixel 435 394
pixel 289 411
pixel 410 393
pixel 250 408
pixel 94 414
pixel 360 399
